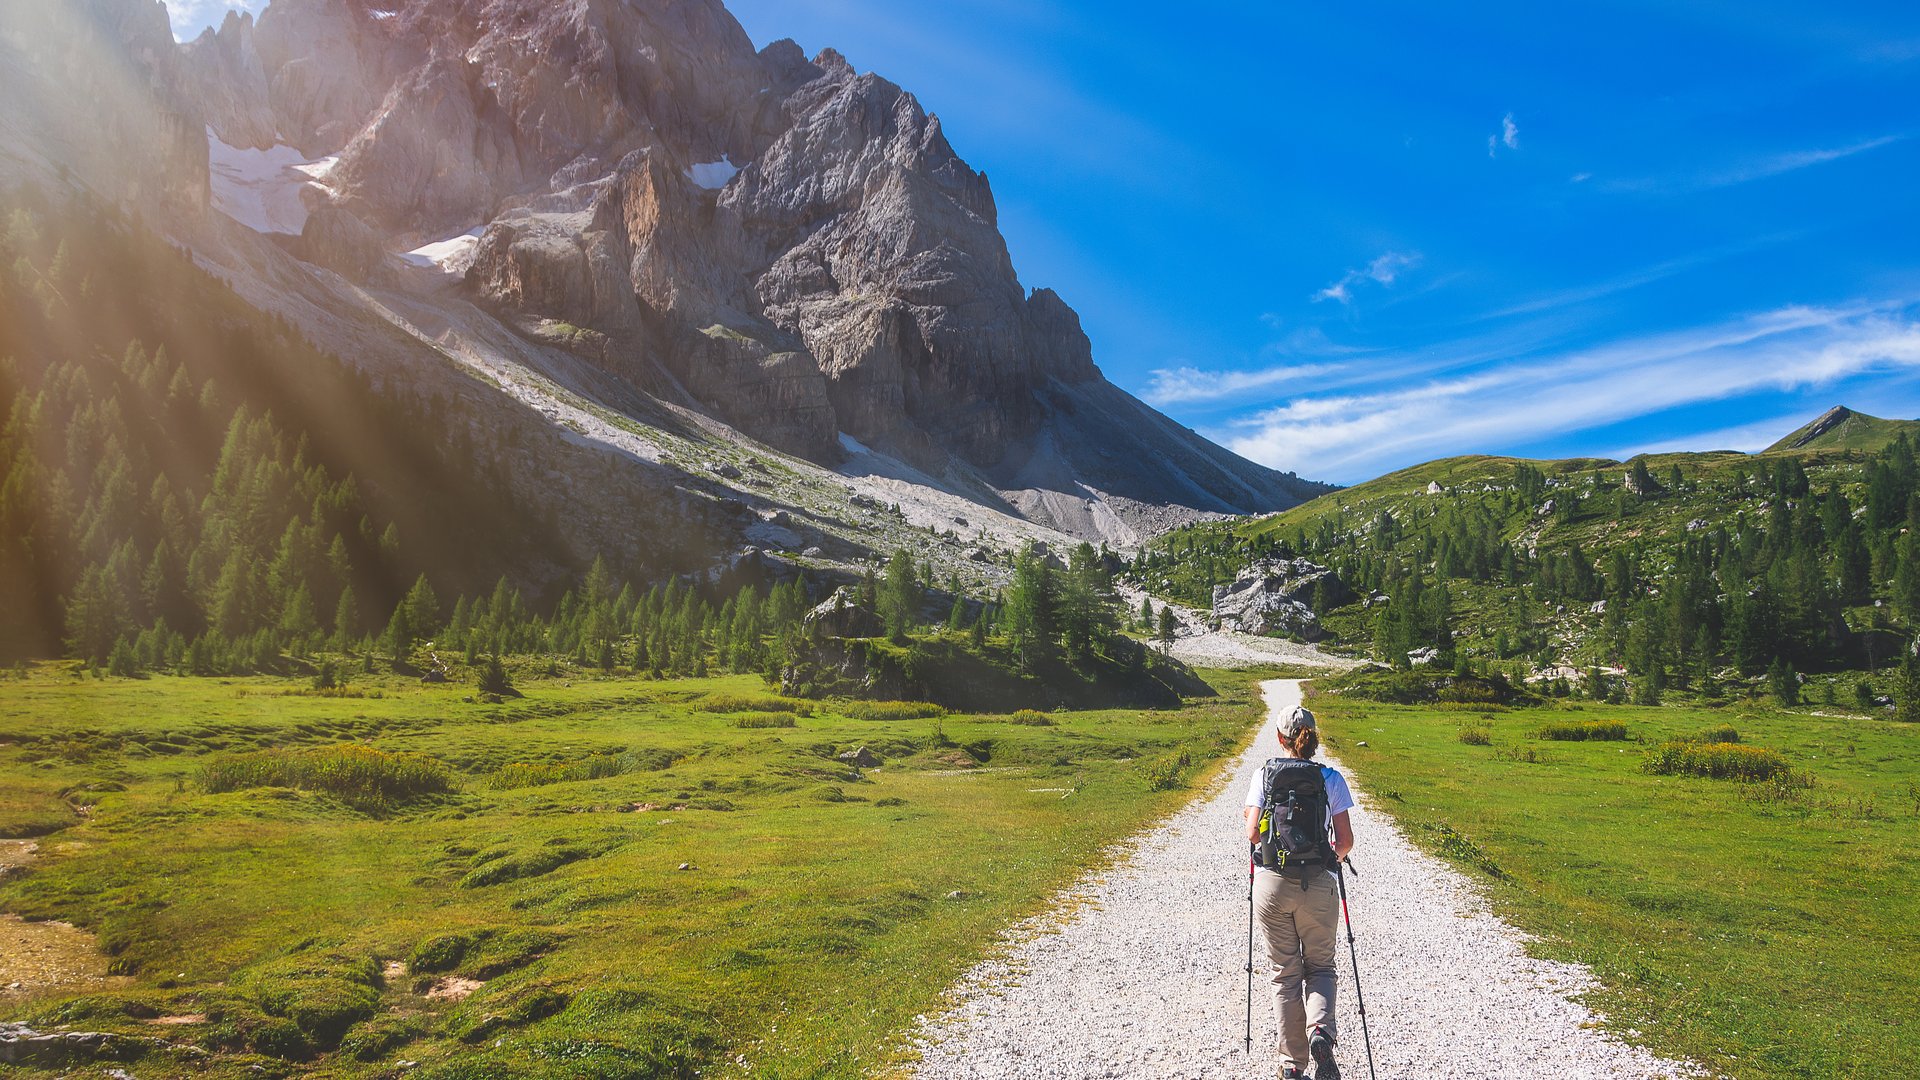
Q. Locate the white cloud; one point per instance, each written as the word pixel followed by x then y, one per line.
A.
pixel 1749 437
pixel 189 17
pixel 1757 169
pixel 1508 136
pixel 1190 384
pixel 1381 271
pixel 1526 398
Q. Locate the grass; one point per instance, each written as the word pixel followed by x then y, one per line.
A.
pixel 362 777
pixel 1584 731
pixel 1764 929
pixel 808 929
pixel 893 710
pixel 1719 760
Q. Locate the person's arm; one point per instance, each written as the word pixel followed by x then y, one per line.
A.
pixel 1342 835
pixel 1253 824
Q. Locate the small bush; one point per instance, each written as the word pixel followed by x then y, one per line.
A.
pixel 1167 772
pixel 1584 731
pixel 1476 736
pixel 1031 717
pixel 360 776
pixel 766 720
pixel 894 710
pixel 1720 761
pixel 1725 733
pixel 763 703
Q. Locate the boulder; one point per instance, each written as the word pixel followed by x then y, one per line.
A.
pixel 1271 597
pixel 862 758
pixel 841 615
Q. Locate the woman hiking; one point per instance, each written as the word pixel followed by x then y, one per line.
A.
pixel 1297 821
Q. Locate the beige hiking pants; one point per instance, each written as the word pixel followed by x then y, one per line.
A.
pixel 1299 926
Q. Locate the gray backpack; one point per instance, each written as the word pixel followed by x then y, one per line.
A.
pixel 1293 816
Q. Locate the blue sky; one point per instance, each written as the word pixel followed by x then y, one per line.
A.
pixel 1342 239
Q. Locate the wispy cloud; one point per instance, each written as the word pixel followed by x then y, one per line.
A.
pixel 1530 397
pixel 1508 136
pixel 1636 279
pixel 1381 271
pixel 1748 437
pixel 1170 386
pixel 1745 172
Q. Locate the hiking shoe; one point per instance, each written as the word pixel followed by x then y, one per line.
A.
pixel 1291 1073
pixel 1321 1047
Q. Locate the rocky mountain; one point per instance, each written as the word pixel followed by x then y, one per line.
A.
pixel 758 277
pixel 1840 428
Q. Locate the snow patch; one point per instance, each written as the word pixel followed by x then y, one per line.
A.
pixel 261 188
pixel 713 175
pixel 853 446
pixel 452 255
pixel 383 16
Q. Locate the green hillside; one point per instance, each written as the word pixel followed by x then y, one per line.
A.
pixel 1694 571
pixel 1840 428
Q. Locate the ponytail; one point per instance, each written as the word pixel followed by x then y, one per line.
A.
pixel 1304 744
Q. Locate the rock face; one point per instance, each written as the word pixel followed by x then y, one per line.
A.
pixel 842 616
pixel 790 242
pixel 785 243
pixel 1274 596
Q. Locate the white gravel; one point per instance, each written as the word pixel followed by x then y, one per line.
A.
pixel 1139 972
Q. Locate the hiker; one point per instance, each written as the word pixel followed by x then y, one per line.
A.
pixel 1296 898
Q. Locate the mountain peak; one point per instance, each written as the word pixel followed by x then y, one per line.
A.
pixel 1841 428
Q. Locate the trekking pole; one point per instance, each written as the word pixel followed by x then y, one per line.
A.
pixel 1249 957
pixel 1359 1000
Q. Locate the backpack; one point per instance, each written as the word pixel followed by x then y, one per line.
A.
pixel 1293 816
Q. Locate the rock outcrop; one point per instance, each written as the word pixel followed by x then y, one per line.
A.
pixel 785 243
pixel 792 243
pixel 1278 596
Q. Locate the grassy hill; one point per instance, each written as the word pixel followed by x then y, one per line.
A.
pixel 1710 568
pixel 1840 428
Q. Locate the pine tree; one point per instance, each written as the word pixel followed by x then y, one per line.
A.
pixel 900 595
pixel 423 609
pixel 1169 626
pixel 1783 683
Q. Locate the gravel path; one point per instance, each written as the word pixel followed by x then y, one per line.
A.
pixel 1139 972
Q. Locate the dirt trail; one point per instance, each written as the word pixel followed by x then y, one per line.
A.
pixel 1139 972
pixel 42 956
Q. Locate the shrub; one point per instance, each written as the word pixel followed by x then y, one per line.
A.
pixel 766 720
pixel 1584 731
pixel 1476 735
pixel 1721 761
pixel 1725 733
pixel 1031 717
pixel 894 710
pixel 1167 772
pixel 360 776
pixel 493 677
pixel 765 703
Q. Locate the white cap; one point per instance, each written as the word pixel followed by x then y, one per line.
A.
pixel 1300 719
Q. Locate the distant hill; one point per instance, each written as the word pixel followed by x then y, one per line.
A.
pixel 1840 428
pixel 1694 569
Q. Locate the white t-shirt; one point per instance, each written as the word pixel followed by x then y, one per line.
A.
pixel 1339 796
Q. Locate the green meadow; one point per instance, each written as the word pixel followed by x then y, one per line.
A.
pixel 1766 929
pixel 605 877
